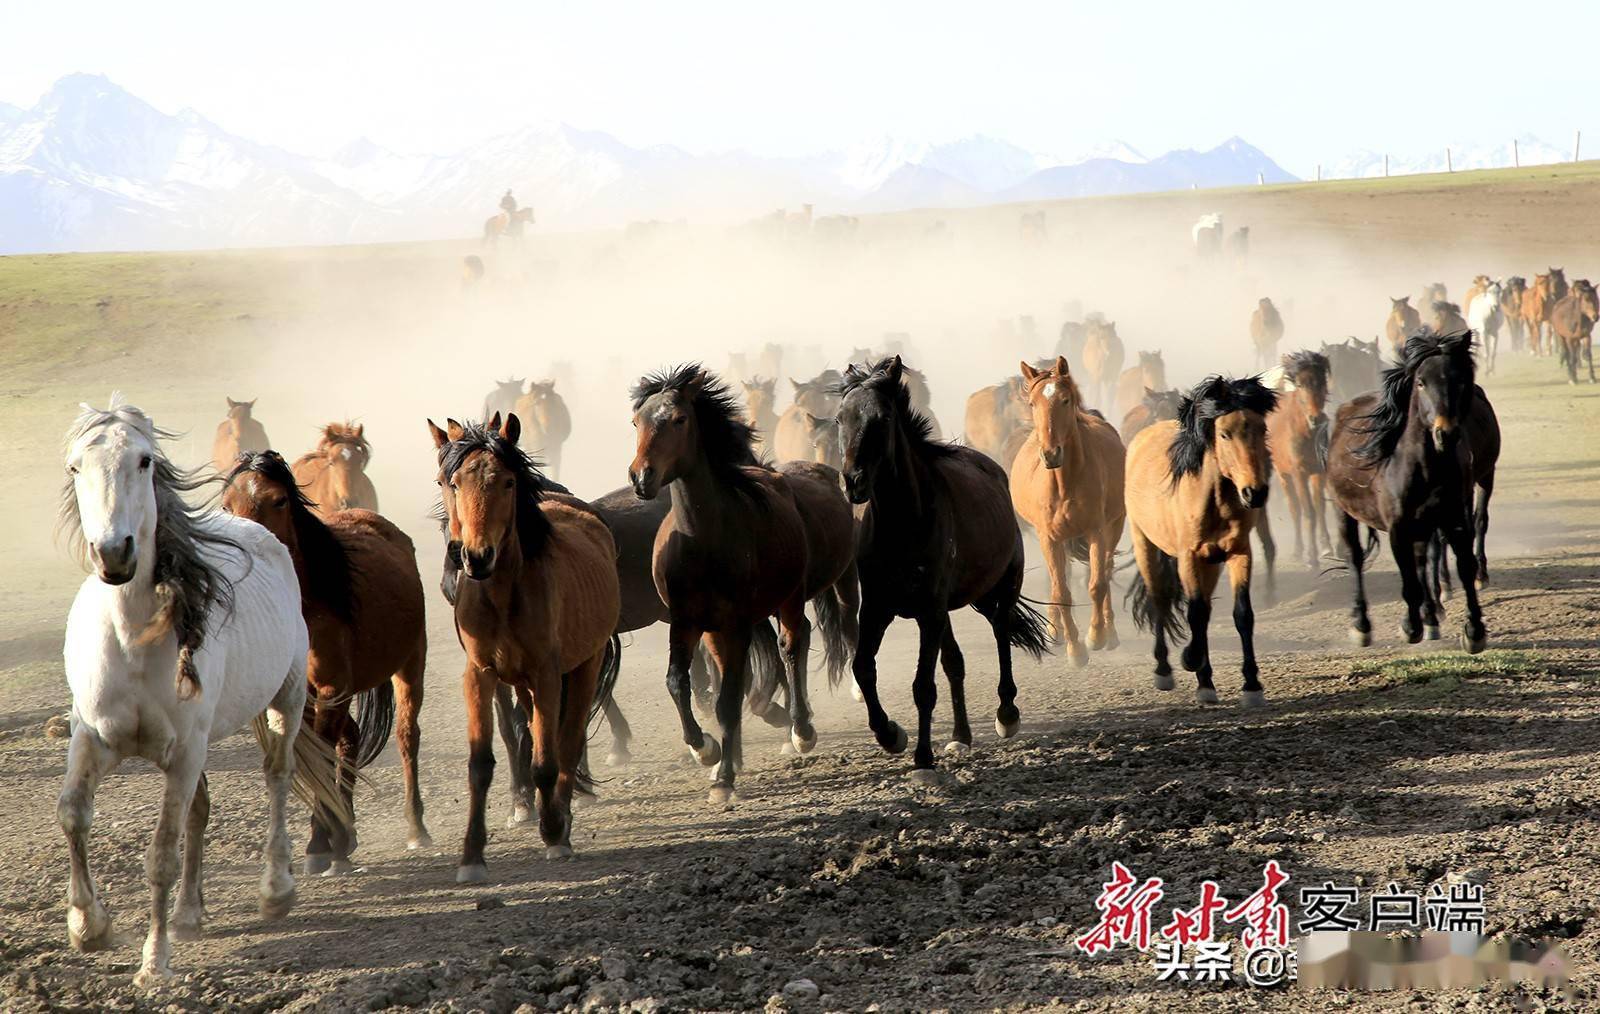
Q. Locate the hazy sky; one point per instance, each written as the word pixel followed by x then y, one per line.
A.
pixel 1304 82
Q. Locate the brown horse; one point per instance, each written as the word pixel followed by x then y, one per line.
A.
pixel 1156 406
pixel 1536 305
pixel 1447 318
pixel 818 396
pixel 546 424
pixel 1297 436
pixel 503 398
pixel 537 611
pixel 1572 325
pixel 1149 375
pixel 1403 319
pixel 508 225
pixel 1266 330
pixel 334 473
pixel 1512 293
pixel 361 597
pixel 742 543
pixel 1067 483
pixel 760 401
pixel 825 447
pixel 238 434
pixel 1432 292
pixel 1102 362
pixel 1195 489
pixel 994 415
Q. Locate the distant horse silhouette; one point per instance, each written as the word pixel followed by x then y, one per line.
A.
pixel 818 396
pixel 1572 327
pixel 1102 363
pixel 1537 302
pixel 1353 367
pixel 506 226
pixel 503 398
pixel 1485 319
pixel 1150 374
pixel 546 424
pixel 1447 318
pixel 760 398
pixel 994 414
pixel 1403 319
pixel 1154 407
pixel 334 473
pixel 1297 436
pixel 238 434
pixel 1512 293
pixel 1266 331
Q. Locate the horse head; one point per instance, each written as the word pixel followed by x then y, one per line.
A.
pixel 345 449
pixel 1054 402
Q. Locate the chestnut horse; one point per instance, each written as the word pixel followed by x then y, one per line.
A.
pixel 1266 330
pixel 361 597
pixel 760 401
pixel 238 434
pixel 1572 326
pixel 1067 483
pixel 1196 487
pixel 741 543
pixel 938 532
pixel 334 473
pixel 546 424
pixel 1102 362
pixel 1149 375
pixel 1157 406
pixel 1397 463
pixel 1297 436
pixel 994 414
pixel 1403 319
pixel 537 611
pixel 1512 293
pixel 820 397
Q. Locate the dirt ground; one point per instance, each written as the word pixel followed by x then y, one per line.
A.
pixel 1411 765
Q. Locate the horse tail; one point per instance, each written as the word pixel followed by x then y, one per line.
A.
pixel 838 627
pixel 606 682
pixel 374 721
pixel 1079 548
pixel 316 770
pixel 1027 629
pixel 1157 608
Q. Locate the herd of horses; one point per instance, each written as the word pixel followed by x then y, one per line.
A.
pixel 300 608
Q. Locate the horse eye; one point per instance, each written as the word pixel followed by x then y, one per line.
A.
pixel 144 462
pixel 72 469
pixel 510 483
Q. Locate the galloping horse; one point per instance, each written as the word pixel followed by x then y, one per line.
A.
pixel 1512 293
pixel 503 398
pixel 993 414
pixel 760 399
pixel 1266 330
pixel 1572 324
pixel 1297 436
pixel 820 397
pixel 1149 375
pixel 1196 487
pixel 824 434
pixel 1402 320
pixel 1398 463
pixel 546 423
pixel 1484 318
pixel 538 612
pixel 188 629
pixel 238 434
pixel 506 224
pixel 1067 483
pixel 361 597
pixel 334 473
pixel 938 532
pixel 1102 362
pixel 1353 367
pixel 741 543
pixel 1537 303
pixel 1156 406
pixel 1447 318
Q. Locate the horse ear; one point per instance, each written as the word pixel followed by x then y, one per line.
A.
pixel 896 369
pixel 812 422
pixel 454 429
pixel 1061 366
pixel 232 403
pixel 1028 372
pixel 798 387
pixel 251 403
pixel 439 436
pixel 360 429
pixel 494 421
pixel 512 428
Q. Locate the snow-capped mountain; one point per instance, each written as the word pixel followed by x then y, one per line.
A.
pixel 91 166
pixel 1530 150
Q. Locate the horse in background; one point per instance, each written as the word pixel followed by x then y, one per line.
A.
pixel 1477 287
pixel 937 532
pixel 187 630
pixel 760 399
pixel 1512 292
pixel 818 396
pixel 1266 330
pixel 1485 319
pixel 238 434
pixel 538 611
pixel 1572 327
pixel 1536 306
pixel 1207 233
pixel 1239 245
pixel 1402 320
pixel 361 597
pixel 994 414
pixel 546 424
pixel 824 435
pixel 1353 366
pixel 507 225
pixel 1102 363
pixel 334 473
pixel 503 398
pixel 1067 483
pixel 1195 490
pixel 1149 375
pixel 1447 318
pixel 1074 333
pixel 1156 406
pixel 1297 437
pixel 1432 292
pixel 1398 463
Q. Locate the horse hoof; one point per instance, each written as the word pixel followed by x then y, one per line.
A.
pixel 956 748
pixel 338 868
pixel 1206 695
pixel 1430 633
pixel 89 929
pixel 185 930
pixel 318 862
pixel 855 692
pixel 1411 636
pixel 1077 654
pixel 1164 681
pixel 618 758
pixel 1005 731
pixel 924 776
pixel 521 813
pixel 472 873
pixel 277 906
pixel 1361 638
pixel 153 977
pixel 721 794
pixel 1111 641
pixel 803 744
pixel 420 840
pixel 1474 645
pixel 786 749
pixel 1253 699
pixel 558 852
pixel 709 753
pixel 898 745
pixel 1482 579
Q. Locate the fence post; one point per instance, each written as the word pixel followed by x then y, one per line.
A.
pixel 1516 158
pixel 1577 139
pixel 1449 165
pixel 1385 165
pixel 1319 172
pixel 1261 179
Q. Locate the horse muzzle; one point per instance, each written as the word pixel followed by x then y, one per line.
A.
pixel 1050 457
pixel 646 484
pixel 115 561
pixel 1444 432
pixel 478 565
pixel 857 487
pixel 1255 497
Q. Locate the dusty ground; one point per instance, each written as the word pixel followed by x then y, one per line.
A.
pixel 1393 763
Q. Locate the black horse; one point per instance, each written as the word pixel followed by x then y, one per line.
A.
pixel 938 533
pixel 1400 461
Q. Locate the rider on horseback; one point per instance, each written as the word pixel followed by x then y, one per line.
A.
pixel 508 204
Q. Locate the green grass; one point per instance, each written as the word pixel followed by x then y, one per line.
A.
pixel 1444 673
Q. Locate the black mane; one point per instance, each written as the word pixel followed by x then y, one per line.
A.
pixel 875 378
pixel 726 438
pixel 533 528
pixel 1210 400
pixel 1387 421
pixel 327 563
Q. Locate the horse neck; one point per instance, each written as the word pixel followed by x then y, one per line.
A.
pixel 699 501
pixel 134 604
pixel 910 493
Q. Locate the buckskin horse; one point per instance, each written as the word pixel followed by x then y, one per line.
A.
pixel 1196 487
pixel 238 434
pixel 1297 436
pixel 938 532
pixel 1149 374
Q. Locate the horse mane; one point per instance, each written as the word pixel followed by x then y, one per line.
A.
pixel 1386 423
pixel 326 561
pixel 1163 404
pixel 1210 400
pixel 875 378
pixel 345 433
pixel 187 585
pixel 533 528
pixel 1306 359
pixel 726 438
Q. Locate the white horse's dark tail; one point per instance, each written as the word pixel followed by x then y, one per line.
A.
pixel 316 770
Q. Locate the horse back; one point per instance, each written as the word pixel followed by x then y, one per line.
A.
pixel 973 497
pixel 387 614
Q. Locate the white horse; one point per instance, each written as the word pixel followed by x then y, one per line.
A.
pixel 188 629
pixel 1207 234
pixel 1485 316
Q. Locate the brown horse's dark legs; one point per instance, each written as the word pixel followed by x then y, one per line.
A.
pixel 703 680
pixel 955 673
pixel 331 842
pixel 1432 605
pixel 1293 493
pixel 1199 581
pixel 477 688
pixel 731 651
pixel 1480 526
pixel 1403 547
pixel 924 686
pixel 1360 625
pixel 1316 492
pixel 874 621
pixel 683 639
pixel 408 705
pixel 571 736
pixel 544 727
pixel 796 645
pixel 1244 621
pixel 1269 552
pixel 1474 636
pixel 512 719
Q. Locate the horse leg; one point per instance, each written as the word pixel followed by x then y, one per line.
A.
pixel 875 620
pixel 1403 545
pixel 924 687
pixel 1360 625
pixel 1430 556
pixel 571 736
pixel 408 705
pixel 478 689
pixel 1317 524
pixel 512 721
pixel 1292 492
pixel 1474 637
pixel 997 608
pixel 1588 355
pixel 1151 566
pixel 284 723
pixel 621 735
pixel 320 718
pixel 1199 580
pixel 848 591
pixel 796 645
pixel 1102 625
pixel 348 746
pixel 1438 573
pixel 88 760
pixel 703 680
pixel 1269 552
pixel 189 916
pixel 731 651
pixel 1251 695
pixel 1058 564
pixel 1480 525
pixel 955 674
pixel 682 641
pixel 161 861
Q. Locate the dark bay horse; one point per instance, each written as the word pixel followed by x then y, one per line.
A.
pixel 538 611
pixel 1402 320
pixel 742 543
pixel 938 533
pixel 1297 436
pixel 1572 320
pixel 1197 486
pixel 362 600
pixel 1398 463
